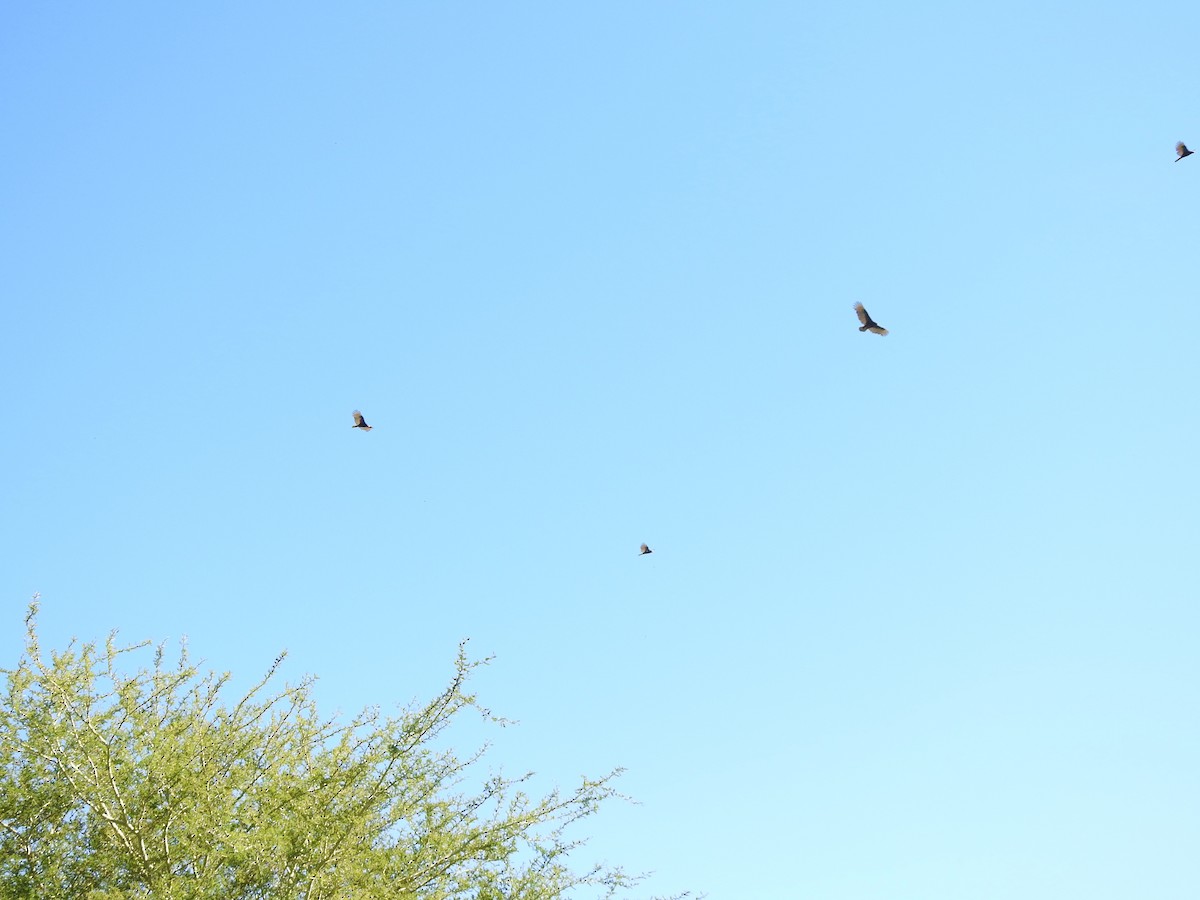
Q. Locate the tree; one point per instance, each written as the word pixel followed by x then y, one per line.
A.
pixel 148 784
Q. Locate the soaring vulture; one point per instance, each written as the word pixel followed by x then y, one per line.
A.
pixel 360 422
pixel 645 550
pixel 868 324
pixel 1182 150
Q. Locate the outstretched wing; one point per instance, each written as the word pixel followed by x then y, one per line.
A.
pixel 877 329
pixel 862 314
pixel 1181 149
pixel 359 421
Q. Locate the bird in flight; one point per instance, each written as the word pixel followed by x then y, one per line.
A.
pixel 1182 150
pixel 644 550
pixel 868 324
pixel 360 422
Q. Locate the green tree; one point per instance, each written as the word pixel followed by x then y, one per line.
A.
pixel 148 784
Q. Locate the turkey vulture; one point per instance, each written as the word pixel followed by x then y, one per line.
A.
pixel 1182 150
pixel 868 324
pixel 360 422
pixel 645 550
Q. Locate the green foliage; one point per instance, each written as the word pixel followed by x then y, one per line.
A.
pixel 149 785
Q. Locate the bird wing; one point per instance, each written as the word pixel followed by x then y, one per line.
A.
pixel 1181 148
pixel 862 313
pixel 878 329
pixel 358 419
pixel 645 549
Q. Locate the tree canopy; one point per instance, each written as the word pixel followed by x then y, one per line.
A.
pixel 148 783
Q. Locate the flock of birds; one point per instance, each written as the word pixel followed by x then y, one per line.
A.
pixel 868 324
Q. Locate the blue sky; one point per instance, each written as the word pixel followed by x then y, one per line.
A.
pixel 921 617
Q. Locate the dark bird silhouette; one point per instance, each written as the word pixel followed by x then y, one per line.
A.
pixel 868 324
pixel 1182 150
pixel 645 550
pixel 360 422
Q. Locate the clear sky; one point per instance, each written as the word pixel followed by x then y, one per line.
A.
pixel 921 617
